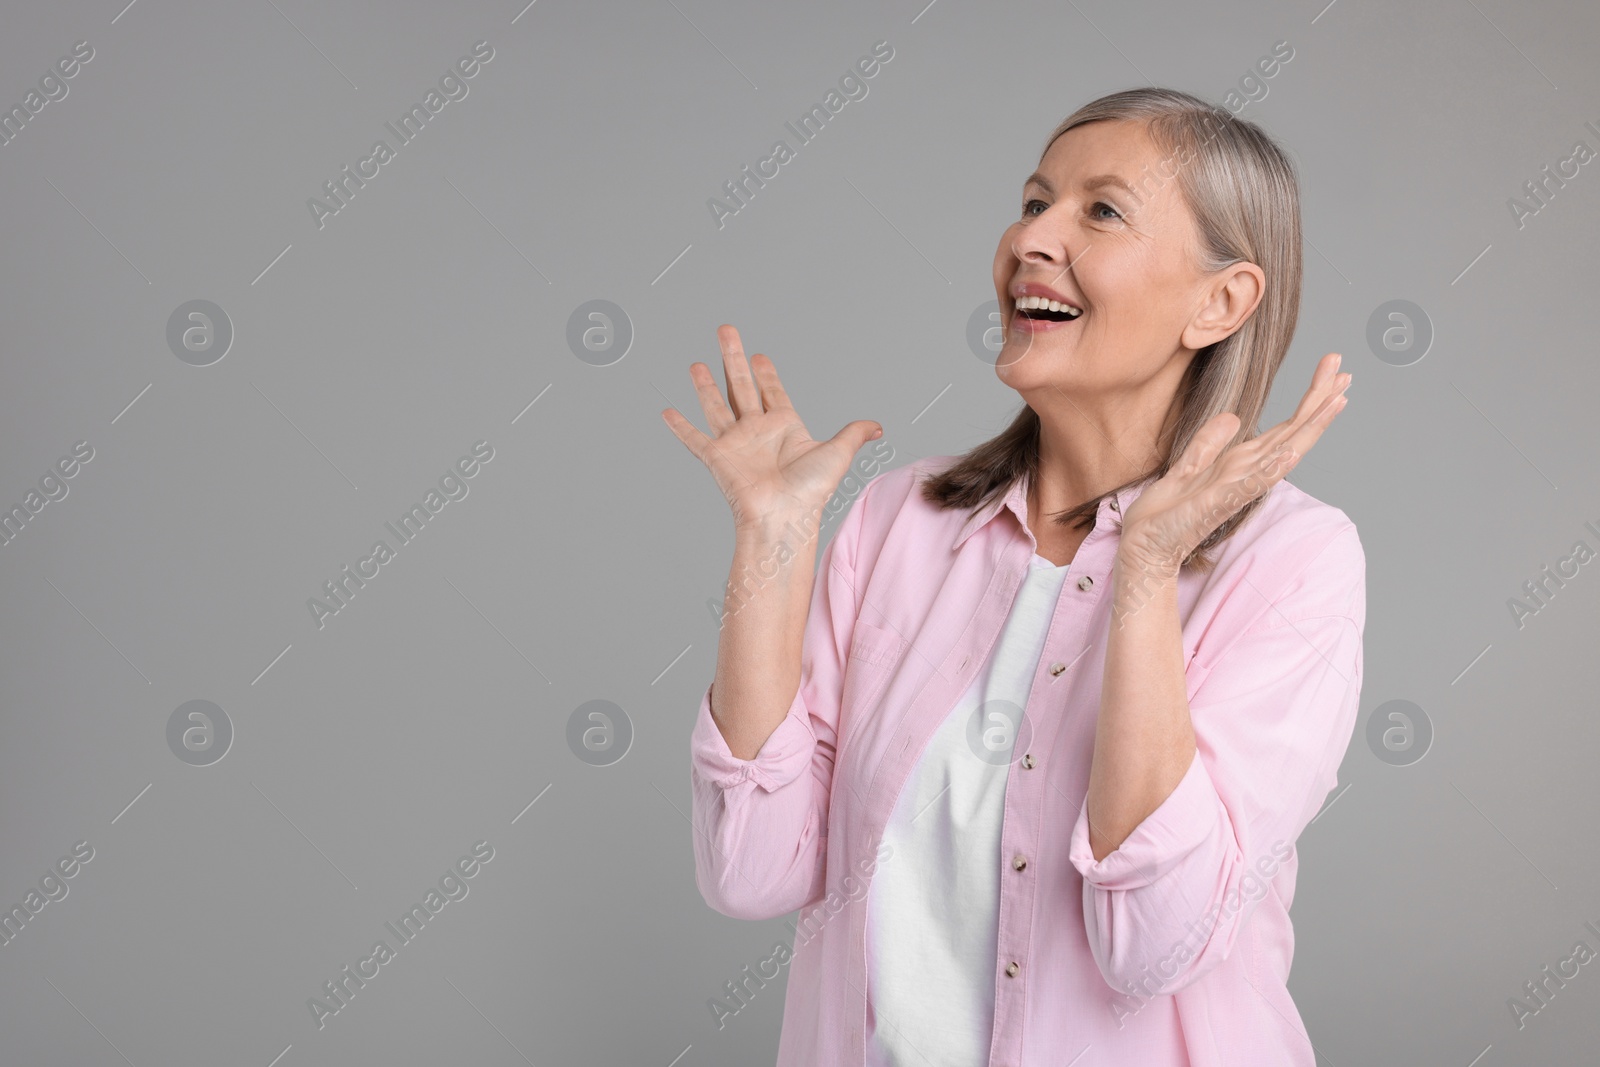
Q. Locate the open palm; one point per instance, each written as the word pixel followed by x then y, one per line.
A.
pixel 759 452
pixel 1208 485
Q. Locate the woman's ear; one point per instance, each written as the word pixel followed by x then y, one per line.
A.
pixel 1234 293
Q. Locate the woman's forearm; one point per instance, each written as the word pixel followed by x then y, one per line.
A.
pixel 763 627
pixel 1144 739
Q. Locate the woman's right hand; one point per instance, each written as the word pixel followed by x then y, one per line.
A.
pixel 759 452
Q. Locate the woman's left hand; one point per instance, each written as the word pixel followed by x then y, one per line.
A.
pixel 1208 485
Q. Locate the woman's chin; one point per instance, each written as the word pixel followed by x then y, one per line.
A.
pixel 1020 354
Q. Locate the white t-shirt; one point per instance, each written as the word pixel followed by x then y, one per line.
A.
pixel 932 913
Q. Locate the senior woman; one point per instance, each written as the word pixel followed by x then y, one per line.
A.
pixel 1031 749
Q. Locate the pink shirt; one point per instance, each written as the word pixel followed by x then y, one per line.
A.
pixel 1174 948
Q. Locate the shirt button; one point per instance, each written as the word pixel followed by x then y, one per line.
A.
pixel 1019 863
pixel 1027 761
pixel 1057 668
pixel 1085 582
pixel 1114 506
pixel 1012 969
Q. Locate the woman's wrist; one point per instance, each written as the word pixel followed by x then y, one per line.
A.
pixel 1140 558
pixel 773 528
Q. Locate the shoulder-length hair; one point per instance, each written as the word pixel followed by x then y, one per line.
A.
pixel 1240 186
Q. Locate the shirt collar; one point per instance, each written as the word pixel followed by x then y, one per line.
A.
pixel 1016 499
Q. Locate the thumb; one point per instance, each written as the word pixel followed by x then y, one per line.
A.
pixel 856 434
pixel 1210 440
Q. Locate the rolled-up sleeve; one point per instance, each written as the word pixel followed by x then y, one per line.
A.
pixel 760 825
pixel 1272 720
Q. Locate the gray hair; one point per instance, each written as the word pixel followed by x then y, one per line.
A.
pixel 1240 187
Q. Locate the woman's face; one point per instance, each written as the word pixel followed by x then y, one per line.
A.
pixel 1125 257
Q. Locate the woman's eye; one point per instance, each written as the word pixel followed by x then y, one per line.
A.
pixel 1034 208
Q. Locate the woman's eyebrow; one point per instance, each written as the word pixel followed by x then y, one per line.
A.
pixel 1095 182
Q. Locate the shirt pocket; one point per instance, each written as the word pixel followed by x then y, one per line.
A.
pixel 875 652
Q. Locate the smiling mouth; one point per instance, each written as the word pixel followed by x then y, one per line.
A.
pixel 1040 309
pixel 1046 315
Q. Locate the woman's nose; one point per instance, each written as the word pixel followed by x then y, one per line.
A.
pixel 1039 244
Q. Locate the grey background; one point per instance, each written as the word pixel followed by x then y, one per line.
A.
pixel 426 315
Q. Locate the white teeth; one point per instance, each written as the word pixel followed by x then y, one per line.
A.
pixel 1031 303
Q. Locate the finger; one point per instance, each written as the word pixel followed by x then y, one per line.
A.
pixel 1326 368
pixel 718 415
pixel 1325 383
pixel 1319 421
pixel 853 435
pixel 1207 443
pixel 742 396
pixel 696 442
pixel 773 394
pixel 1278 459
